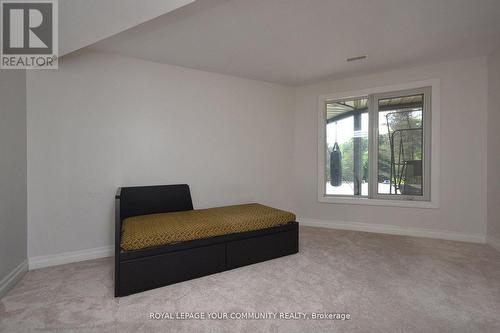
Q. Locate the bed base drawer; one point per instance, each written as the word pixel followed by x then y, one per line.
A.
pixel 253 250
pixel 147 273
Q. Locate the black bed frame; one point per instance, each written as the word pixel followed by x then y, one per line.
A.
pixel 141 270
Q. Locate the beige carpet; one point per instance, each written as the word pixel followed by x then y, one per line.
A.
pixel 386 283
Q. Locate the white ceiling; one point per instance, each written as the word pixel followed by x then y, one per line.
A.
pixel 83 22
pixel 302 41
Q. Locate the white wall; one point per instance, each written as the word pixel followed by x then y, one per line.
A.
pixel 462 209
pixel 493 174
pixel 104 121
pixel 12 173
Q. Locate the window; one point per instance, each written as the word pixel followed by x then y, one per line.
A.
pixel 347 147
pixel 375 146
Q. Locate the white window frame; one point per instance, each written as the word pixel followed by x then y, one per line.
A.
pixel 432 164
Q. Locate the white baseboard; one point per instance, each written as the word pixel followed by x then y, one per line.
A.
pixel 11 279
pixel 107 251
pixel 494 242
pixel 70 257
pixel 394 230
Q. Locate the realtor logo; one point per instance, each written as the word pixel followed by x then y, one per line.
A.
pixel 29 34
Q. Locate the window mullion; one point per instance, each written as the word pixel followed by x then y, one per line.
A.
pixel 357 154
pixel 372 147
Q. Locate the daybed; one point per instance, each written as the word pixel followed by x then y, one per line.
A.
pixel 160 239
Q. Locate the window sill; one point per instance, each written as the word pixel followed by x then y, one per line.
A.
pixel 379 202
